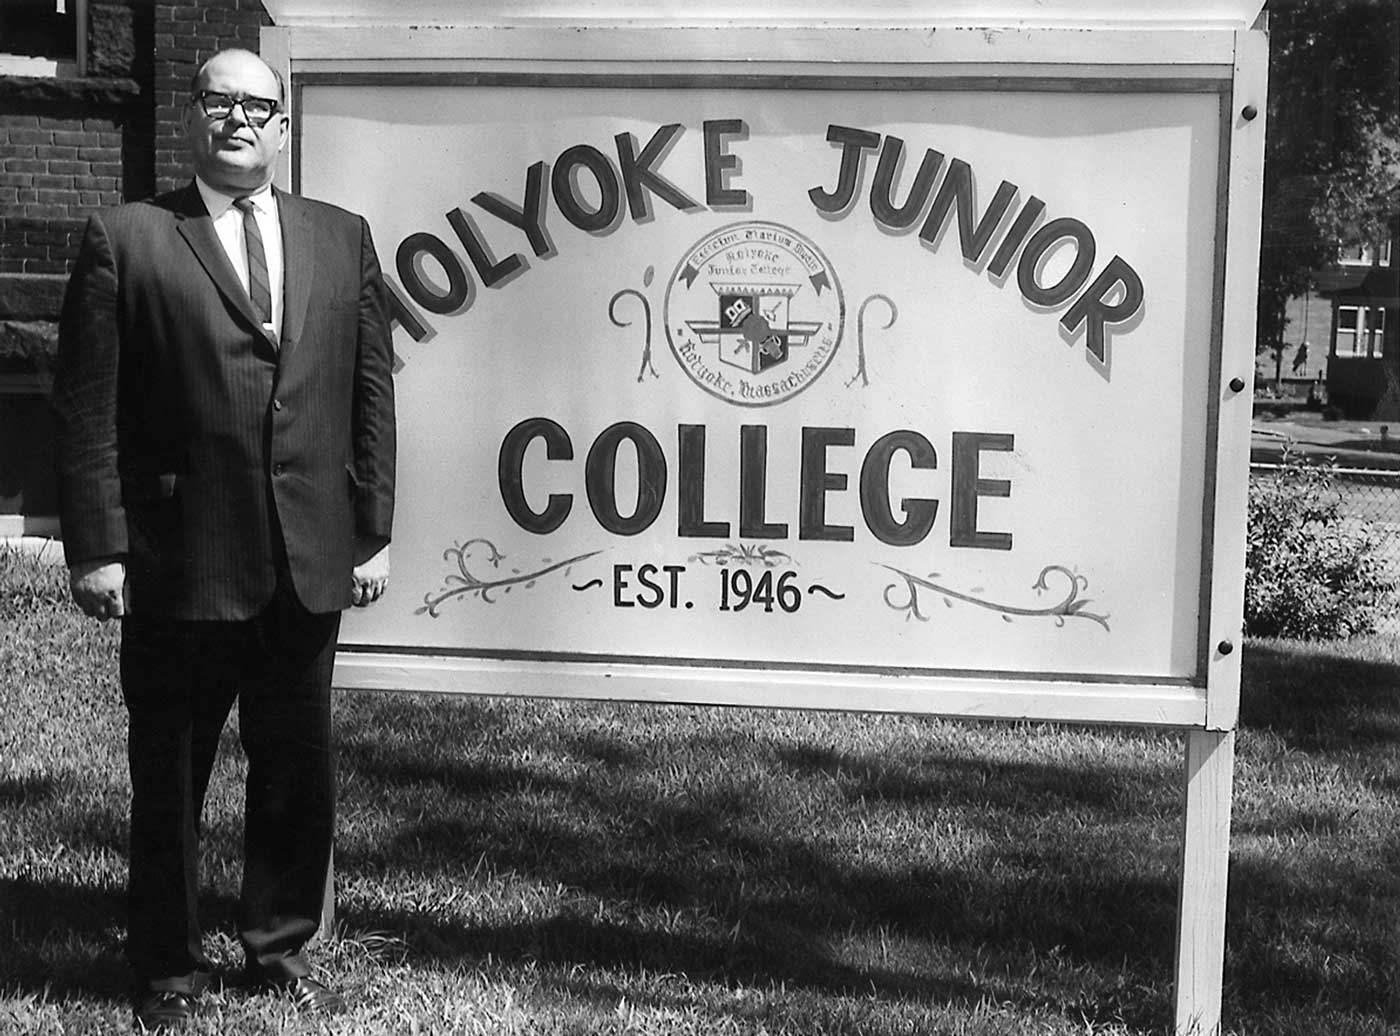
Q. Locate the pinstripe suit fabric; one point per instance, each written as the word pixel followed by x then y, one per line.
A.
pixel 185 437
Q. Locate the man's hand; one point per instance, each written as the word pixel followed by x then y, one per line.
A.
pixel 99 588
pixel 371 578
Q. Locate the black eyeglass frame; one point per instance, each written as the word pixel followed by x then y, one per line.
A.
pixel 257 122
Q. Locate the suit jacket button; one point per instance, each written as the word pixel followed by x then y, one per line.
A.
pixel 277 469
pixel 276 404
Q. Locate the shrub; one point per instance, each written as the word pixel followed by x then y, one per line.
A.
pixel 1311 572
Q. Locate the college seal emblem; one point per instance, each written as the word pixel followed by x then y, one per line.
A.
pixel 754 313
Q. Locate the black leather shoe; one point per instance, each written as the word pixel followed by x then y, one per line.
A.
pixel 163 1009
pixel 314 997
pixel 309 995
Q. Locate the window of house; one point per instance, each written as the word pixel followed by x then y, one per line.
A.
pixel 1348 317
pixel 43 37
pixel 1360 331
pixel 1364 255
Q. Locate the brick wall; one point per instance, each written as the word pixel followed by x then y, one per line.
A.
pixel 188 34
pixel 67 148
pixel 60 162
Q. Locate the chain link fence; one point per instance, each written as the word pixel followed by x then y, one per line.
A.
pixel 1371 500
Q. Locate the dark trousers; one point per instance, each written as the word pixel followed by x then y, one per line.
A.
pixel 179 681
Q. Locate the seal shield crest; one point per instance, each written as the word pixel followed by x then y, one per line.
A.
pixel 754 313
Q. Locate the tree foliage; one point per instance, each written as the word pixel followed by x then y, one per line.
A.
pixel 1332 152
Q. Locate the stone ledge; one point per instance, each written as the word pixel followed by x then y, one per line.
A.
pixel 33 343
pixel 86 91
pixel 31 296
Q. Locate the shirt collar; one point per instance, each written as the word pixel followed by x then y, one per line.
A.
pixel 217 203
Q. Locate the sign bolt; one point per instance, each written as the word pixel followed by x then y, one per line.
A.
pixel 1225 647
pixel 1249 112
pixel 1236 384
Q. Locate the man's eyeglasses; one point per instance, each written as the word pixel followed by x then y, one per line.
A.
pixel 257 110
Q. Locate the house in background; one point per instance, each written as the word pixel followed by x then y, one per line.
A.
pixel 1363 356
pixel 1339 344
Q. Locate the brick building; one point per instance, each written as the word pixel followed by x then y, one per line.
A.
pixel 1363 360
pixel 91 93
pixel 1340 343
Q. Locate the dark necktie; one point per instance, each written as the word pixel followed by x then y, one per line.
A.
pixel 257 262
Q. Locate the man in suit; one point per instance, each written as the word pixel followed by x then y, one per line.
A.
pixel 225 447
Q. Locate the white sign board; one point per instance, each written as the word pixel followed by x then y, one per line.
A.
pixel 809 385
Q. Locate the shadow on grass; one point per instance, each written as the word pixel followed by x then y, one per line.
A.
pixel 19 791
pixel 1315 905
pixel 1065 870
pixel 61 937
pixel 718 882
pixel 1319 699
pixel 1017 882
pixel 950 781
pixel 69 940
pixel 774 947
pixel 1313 937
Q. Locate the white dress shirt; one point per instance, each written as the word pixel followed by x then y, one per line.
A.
pixel 228 224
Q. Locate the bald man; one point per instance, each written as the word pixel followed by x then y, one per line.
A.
pixel 226 466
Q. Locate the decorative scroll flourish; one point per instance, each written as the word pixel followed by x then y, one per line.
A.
pixel 1071 607
pixel 860 336
pixel 744 554
pixel 646 311
pixel 464 582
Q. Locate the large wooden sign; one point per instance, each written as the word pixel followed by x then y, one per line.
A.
pixel 877 386
pixel 832 357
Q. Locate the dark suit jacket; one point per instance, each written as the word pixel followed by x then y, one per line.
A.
pixel 183 431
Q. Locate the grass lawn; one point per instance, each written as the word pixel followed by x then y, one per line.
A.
pixel 512 867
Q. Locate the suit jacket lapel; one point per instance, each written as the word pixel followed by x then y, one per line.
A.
pixel 298 258
pixel 197 228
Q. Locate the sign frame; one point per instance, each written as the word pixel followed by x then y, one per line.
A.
pixel 1072 61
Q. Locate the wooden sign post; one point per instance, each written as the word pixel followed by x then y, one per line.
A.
pixel 840 357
